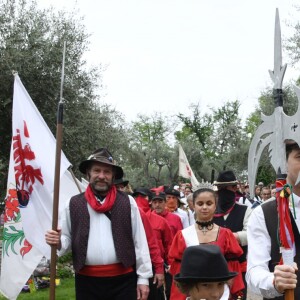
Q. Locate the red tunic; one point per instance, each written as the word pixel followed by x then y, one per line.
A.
pixel 228 245
pixel 155 255
pixel 163 233
pixel 173 220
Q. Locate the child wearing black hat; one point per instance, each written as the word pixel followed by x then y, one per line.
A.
pixel 203 273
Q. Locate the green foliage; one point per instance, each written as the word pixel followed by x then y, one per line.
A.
pixel 214 141
pixel 63 272
pixel 63 266
pixel 31 43
pixel 292 44
pixel 290 101
pixel 200 125
pixel 3 183
pixel 252 122
pixel 150 160
pixel 65 258
pixel 66 290
pixel 266 173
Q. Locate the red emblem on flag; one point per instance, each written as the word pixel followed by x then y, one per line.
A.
pixel 11 206
pixel 25 173
pixel 188 170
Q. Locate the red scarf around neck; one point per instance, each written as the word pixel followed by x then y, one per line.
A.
pixel 96 205
pixel 142 203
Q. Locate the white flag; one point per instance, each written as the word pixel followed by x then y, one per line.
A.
pixel 185 169
pixel 28 211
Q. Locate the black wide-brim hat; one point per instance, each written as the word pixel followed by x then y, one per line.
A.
pixel 204 263
pixel 121 181
pixel 103 156
pixel 226 178
pixel 173 192
pixel 142 191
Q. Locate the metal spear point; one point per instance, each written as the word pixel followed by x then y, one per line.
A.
pixel 278 127
pixel 279 70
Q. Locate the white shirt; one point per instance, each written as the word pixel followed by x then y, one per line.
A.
pixel 246 202
pixel 183 216
pixel 191 215
pixel 101 250
pixel 259 277
pixel 243 233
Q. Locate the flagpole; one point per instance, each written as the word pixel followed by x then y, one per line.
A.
pixel 75 180
pixel 57 179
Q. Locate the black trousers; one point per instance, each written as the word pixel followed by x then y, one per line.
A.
pixel 156 293
pixel 106 288
pixel 245 283
pixel 168 279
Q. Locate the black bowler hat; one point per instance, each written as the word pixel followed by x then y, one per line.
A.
pixel 226 178
pixel 121 181
pixel 103 156
pixel 204 263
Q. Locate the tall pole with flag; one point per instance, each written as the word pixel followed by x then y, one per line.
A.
pixel 185 169
pixel 59 133
pixel 29 200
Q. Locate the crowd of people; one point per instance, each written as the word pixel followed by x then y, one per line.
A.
pixel 172 242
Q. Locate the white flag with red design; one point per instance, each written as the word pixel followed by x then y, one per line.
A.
pixel 29 201
pixel 185 169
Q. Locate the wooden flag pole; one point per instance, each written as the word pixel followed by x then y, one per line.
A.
pixel 57 180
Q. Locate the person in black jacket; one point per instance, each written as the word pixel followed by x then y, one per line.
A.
pixel 233 215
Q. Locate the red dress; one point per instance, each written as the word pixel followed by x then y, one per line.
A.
pixel 228 245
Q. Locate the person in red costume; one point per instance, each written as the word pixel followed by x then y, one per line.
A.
pixel 158 205
pixel 172 204
pixel 155 253
pixel 160 227
pixel 205 231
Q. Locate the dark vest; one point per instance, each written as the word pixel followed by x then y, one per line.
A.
pixel 235 222
pixel 271 218
pixel 121 230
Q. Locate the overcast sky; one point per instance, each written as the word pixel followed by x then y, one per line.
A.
pixel 163 55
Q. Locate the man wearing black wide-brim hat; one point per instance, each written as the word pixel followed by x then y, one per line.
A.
pixel 232 215
pixel 103 228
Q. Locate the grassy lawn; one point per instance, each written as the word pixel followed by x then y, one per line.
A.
pixel 65 291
